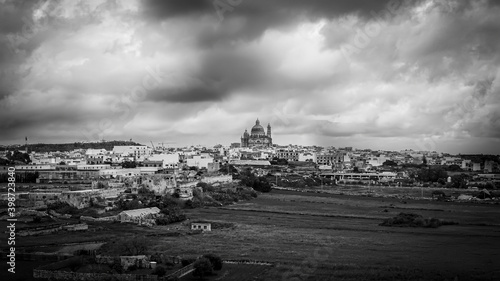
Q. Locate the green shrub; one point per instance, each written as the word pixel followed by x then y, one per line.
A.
pixel 215 260
pixel 202 267
pixel 433 223
pixel 414 220
pixel 187 261
pixel 159 270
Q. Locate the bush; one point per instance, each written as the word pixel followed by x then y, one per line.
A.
pixel 261 184
pixel 434 223
pixel 172 217
pixel 160 271
pixel 414 220
pixel 215 260
pixel 117 266
pixel 188 204
pixel 168 202
pixel 202 267
pixel 62 208
pixel 187 261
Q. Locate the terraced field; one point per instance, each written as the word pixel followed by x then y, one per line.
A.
pixel 312 236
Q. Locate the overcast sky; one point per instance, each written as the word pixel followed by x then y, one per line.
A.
pixel 370 74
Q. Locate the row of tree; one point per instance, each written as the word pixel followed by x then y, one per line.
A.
pixel 50 147
pixel 257 183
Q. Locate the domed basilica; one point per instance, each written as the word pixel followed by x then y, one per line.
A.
pixel 257 136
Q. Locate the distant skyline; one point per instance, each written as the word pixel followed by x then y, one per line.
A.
pixel 390 75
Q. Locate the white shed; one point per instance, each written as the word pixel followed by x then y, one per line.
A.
pixel 138 215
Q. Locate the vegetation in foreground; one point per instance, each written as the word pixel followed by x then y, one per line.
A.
pixel 414 220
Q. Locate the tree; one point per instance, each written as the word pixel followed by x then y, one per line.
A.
pixel 459 181
pixel 454 168
pixel 228 169
pixel 257 183
pixel 428 174
pixel 202 267
pixel 215 260
pixel 389 163
pixel 261 184
pixel 144 190
pixel 424 161
pixel 129 164
pixel 279 161
pixel 18 156
pixel 171 214
pixel 160 271
pixel 136 246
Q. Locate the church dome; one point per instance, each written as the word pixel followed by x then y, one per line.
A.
pixel 258 130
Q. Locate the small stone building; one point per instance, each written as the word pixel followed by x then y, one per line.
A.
pixel 205 226
pixel 138 215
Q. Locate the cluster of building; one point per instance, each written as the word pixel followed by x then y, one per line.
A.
pixel 176 166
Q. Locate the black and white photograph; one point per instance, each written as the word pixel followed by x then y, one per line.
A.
pixel 249 140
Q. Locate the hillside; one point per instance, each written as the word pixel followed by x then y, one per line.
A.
pixel 46 147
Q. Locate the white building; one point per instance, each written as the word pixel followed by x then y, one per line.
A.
pixel 113 173
pixel 200 161
pixel 91 151
pixel 307 156
pixel 93 167
pixel 137 151
pixel 204 226
pixel 138 215
pixel 170 160
pixel 34 167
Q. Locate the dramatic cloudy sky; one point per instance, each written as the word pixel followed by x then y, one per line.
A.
pixel 370 74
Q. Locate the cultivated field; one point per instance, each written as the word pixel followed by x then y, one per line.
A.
pixel 315 236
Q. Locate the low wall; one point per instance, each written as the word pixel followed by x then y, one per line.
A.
pixel 47 230
pixel 51 229
pixel 188 184
pixel 247 262
pixel 220 179
pixel 64 275
pixel 38 256
pixel 76 227
pixel 103 219
pixel 181 272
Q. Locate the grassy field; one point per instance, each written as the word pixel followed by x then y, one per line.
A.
pixel 313 236
pixel 231 272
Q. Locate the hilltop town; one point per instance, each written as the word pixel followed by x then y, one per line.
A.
pixel 142 190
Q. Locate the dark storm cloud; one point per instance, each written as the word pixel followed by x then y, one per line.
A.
pixel 15 15
pixel 257 16
pixel 174 67
pixel 221 73
pixel 15 20
pixel 191 94
pixel 262 8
